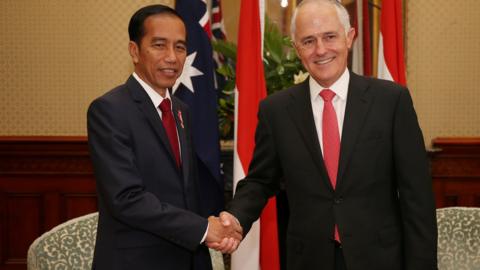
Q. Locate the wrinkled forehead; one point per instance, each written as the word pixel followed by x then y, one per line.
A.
pixel 315 18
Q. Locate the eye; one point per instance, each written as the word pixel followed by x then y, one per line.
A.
pixel 159 45
pixel 181 47
pixel 308 43
pixel 330 37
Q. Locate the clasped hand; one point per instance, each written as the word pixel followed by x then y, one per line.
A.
pixel 224 233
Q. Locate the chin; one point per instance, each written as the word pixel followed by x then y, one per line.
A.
pixel 166 83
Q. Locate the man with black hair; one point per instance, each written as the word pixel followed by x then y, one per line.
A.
pixel 141 148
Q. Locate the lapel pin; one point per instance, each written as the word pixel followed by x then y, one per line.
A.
pixel 179 113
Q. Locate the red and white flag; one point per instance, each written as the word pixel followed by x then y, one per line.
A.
pixel 361 51
pixel 259 249
pixel 391 62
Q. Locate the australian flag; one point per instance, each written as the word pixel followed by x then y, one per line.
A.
pixel 196 88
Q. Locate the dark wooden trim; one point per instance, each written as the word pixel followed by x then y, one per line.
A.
pixel 456 141
pixel 41 155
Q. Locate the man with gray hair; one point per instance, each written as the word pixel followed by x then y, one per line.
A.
pixel 351 155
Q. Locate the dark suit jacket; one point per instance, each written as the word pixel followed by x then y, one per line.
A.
pixel 383 203
pixel 147 205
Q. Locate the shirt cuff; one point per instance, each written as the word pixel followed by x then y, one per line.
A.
pixel 205 234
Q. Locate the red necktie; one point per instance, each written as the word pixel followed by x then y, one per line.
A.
pixel 331 140
pixel 169 125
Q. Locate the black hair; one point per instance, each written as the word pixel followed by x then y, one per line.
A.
pixel 136 28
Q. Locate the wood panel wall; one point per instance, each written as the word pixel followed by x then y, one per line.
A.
pixel 45 181
pixel 456 171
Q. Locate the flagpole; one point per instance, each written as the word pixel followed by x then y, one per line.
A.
pixel 375 35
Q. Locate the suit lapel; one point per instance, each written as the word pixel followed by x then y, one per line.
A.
pixel 358 104
pixel 300 110
pixel 146 106
pixel 184 147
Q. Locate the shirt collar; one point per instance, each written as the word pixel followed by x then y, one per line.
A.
pixel 154 95
pixel 340 87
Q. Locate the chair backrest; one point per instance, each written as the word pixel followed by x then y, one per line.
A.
pixel 458 238
pixel 69 245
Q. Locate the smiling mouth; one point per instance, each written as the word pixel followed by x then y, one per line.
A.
pixel 168 71
pixel 324 61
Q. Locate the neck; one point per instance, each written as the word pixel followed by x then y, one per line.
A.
pixel 161 91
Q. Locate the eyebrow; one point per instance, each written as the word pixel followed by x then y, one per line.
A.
pixel 330 33
pixel 316 35
pixel 156 39
pixel 307 37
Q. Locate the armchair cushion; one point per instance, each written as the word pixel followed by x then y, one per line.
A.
pixel 458 238
pixel 69 245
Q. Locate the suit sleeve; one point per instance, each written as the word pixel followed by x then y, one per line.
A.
pixel 121 188
pixel 415 188
pixel 263 177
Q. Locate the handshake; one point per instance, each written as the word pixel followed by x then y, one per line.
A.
pixel 224 233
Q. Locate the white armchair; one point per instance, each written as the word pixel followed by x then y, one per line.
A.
pixel 458 238
pixel 70 245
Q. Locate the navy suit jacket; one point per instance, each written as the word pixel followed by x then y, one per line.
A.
pixel 383 202
pixel 148 208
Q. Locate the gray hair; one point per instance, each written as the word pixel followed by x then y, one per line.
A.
pixel 342 14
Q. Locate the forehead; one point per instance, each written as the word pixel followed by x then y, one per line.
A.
pixel 164 26
pixel 315 19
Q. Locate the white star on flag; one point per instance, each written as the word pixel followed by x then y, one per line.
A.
pixel 189 71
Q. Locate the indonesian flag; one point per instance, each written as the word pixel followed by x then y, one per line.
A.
pixel 361 51
pixel 259 249
pixel 391 65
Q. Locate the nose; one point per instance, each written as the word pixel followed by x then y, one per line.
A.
pixel 320 48
pixel 171 56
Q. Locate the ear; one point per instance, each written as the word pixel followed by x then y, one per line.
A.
pixel 134 51
pixel 350 37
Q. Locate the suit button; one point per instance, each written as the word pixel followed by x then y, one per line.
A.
pixel 338 200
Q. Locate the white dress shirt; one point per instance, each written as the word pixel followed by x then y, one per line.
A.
pixel 339 102
pixel 154 95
